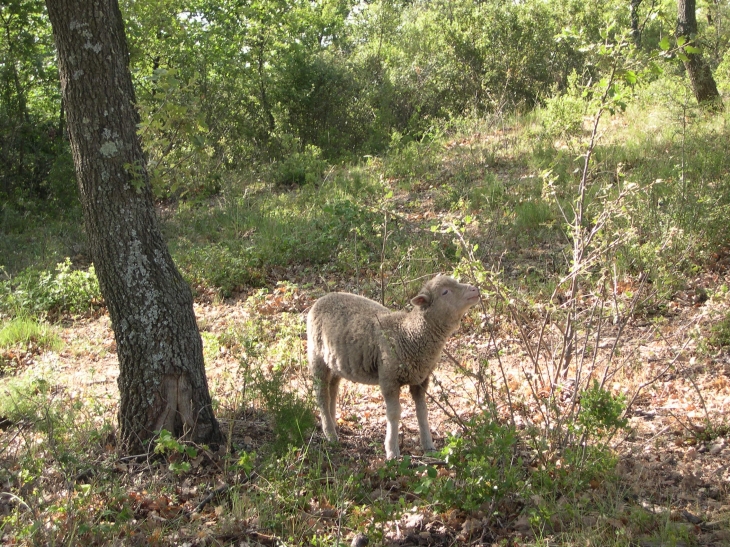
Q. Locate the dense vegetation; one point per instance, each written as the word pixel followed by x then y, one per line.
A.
pixel 550 152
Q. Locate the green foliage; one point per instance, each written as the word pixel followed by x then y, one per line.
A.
pixel 227 269
pixel 293 418
pixel 601 411
pixel 171 448
pixel 41 293
pixel 562 114
pixel 719 336
pixel 30 124
pixel 232 246
pixel 25 332
pixel 533 217
pixel 483 463
pixel 298 168
pixel 412 160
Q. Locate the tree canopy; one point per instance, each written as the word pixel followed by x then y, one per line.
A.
pixel 230 83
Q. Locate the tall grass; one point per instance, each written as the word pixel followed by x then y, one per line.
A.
pixel 24 332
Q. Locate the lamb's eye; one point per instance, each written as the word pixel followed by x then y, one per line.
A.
pixel 446 291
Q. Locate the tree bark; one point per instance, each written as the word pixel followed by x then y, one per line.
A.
pixel 162 381
pixel 635 30
pixel 700 74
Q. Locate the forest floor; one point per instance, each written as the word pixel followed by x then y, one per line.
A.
pixel 673 460
pixel 664 465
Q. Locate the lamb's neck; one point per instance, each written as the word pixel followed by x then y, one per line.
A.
pixel 422 333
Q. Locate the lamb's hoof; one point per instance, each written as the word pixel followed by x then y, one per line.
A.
pixel 330 437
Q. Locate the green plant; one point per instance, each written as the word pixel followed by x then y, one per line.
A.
pixel 40 293
pixel 719 335
pixel 173 450
pixel 299 168
pixel 483 467
pixel 26 332
pixel 601 412
pixel 293 418
pixel 227 269
pixel 562 115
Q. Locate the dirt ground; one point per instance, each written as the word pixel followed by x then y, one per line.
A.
pixel 666 466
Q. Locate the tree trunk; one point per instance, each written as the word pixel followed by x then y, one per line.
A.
pixel 162 381
pixel 635 30
pixel 700 74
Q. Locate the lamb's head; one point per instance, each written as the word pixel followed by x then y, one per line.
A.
pixel 444 301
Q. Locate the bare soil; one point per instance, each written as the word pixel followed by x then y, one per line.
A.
pixel 669 462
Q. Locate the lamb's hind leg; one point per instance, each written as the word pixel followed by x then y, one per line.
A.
pixel 333 387
pixel 323 380
pixel 418 392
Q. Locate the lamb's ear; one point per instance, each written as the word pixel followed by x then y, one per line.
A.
pixel 423 300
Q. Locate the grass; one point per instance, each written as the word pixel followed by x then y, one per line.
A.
pixel 25 332
pixel 22 337
pixel 528 460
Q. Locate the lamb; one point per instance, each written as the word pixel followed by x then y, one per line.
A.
pixel 353 337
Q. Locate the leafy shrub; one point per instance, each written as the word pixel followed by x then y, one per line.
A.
pixel 173 449
pixel 482 464
pixel 293 416
pixel 720 333
pixel 299 168
pixel 562 115
pixel 40 293
pixel 218 266
pixel 601 411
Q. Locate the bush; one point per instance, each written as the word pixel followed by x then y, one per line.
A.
pixel 216 265
pixel 41 293
pixel 293 416
pixel 483 465
pixel 298 168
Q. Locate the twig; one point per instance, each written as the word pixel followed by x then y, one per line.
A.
pixel 656 377
pixel 207 499
pixel 18 499
pixel 459 366
pixel 452 413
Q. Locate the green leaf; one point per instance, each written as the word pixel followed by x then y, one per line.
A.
pixel 692 49
pixel 681 41
pixel 178 468
pixel 664 44
pixel 198 141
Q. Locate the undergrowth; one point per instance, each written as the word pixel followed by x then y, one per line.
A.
pixel 504 202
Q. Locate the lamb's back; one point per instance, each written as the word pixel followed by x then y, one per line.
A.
pixel 345 331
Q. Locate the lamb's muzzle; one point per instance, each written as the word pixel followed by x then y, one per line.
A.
pixel 352 337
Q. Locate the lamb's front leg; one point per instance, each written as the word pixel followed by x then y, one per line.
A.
pixel 418 392
pixel 392 414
